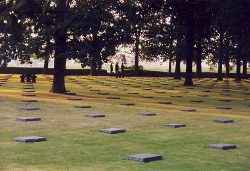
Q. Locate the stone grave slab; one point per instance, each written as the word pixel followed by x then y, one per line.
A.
pixel 224 107
pixel 224 100
pixel 30 139
pixel 206 91
pixel 133 93
pixel 246 93
pixel 165 102
pixel 29 95
pixel 75 99
pixel 29 91
pixel 29 108
pixel 113 130
pixel 94 115
pixel 144 157
pixel 175 125
pixel 100 93
pixel 196 101
pixel 188 110
pixel 29 101
pixel 222 146
pixel 28 119
pixel 147 114
pixel 174 96
pixel 82 106
pixel 114 98
pixel 127 104
pixel 160 92
pixel 147 97
pixel 94 90
pixel 202 95
pixel 224 120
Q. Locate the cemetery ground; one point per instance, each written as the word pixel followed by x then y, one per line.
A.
pixel 74 141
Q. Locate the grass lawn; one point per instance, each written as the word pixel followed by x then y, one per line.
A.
pixel 75 143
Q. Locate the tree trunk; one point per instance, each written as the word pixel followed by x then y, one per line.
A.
pixel 177 74
pixel 169 67
pixel 190 45
pixel 238 68
pixel 198 58
pixel 137 53
pixel 60 48
pixel 220 77
pixel 245 76
pixel 227 66
pixel 238 58
pixel 46 65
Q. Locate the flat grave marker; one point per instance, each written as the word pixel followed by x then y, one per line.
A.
pixel 224 120
pixel 113 130
pixel 28 119
pixel 144 157
pixel 30 139
pixel 82 107
pixel 222 146
pixel 147 114
pixel 94 115
pixel 175 125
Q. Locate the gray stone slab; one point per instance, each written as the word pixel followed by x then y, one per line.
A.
pixel 94 115
pixel 147 97
pixel 114 98
pixel 188 110
pixel 75 99
pixel 202 95
pixel 30 139
pixel 29 108
pixel 206 91
pixel 225 100
pixel 175 125
pixel 113 130
pixel 147 89
pixel 133 93
pixel 174 96
pixel 29 95
pixel 127 104
pixel 82 106
pixel 147 114
pixel 196 101
pixel 29 101
pixel 224 107
pixel 222 146
pixel 160 92
pixel 165 102
pixel 94 90
pixel 144 157
pixel 103 93
pixel 246 93
pixel 28 91
pixel 28 119
pixel 224 120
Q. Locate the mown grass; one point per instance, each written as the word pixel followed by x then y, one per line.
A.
pixel 75 143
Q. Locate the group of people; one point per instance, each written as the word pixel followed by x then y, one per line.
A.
pixel 28 78
pixel 119 73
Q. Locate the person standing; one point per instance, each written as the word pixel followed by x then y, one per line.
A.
pixel 117 69
pixel 111 68
pixel 122 70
